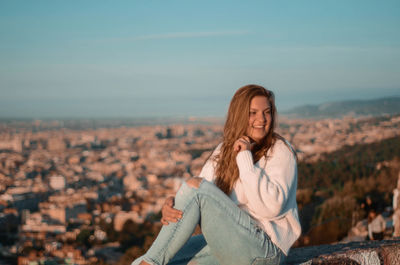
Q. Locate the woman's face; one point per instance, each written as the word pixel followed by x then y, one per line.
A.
pixel 259 118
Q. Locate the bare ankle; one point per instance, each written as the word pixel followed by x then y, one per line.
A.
pixel 144 263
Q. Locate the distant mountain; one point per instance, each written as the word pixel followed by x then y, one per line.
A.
pixel 375 107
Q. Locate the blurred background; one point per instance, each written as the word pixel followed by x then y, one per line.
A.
pixel 106 107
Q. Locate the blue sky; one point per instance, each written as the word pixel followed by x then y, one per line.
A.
pixel 93 59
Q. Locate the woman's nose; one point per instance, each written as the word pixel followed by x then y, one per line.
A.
pixel 262 117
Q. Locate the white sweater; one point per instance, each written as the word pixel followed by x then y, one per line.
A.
pixel 267 191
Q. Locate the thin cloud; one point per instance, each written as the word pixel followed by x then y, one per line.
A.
pixel 333 48
pixel 176 35
pixel 186 35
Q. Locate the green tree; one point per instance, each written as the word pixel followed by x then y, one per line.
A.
pixel 83 237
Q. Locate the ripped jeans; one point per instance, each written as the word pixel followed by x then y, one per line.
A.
pixel 229 235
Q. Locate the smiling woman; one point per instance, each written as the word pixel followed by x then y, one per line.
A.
pixel 244 198
pixel 260 118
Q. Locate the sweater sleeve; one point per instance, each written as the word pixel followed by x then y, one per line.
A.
pixel 208 170
pixel 268 189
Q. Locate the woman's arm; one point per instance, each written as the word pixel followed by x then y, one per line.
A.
pixel 268 189
pixel 208 170
pixel 371 237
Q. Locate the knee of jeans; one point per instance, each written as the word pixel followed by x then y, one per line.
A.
pixel 194 182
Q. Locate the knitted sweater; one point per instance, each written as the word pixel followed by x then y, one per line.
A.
pixel 267 191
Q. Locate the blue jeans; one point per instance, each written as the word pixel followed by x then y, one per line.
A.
pixel 229 234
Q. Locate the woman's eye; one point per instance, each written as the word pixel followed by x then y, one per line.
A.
pixel 252 113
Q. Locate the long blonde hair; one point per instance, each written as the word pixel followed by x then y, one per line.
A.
pixel 235 127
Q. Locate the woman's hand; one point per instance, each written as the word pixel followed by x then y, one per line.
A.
pixel 243 143
pixel 169 214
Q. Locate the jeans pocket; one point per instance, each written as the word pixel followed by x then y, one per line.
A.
pixel 260 234
pixel 267 261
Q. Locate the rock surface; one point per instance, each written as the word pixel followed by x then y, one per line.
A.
pixel 386 252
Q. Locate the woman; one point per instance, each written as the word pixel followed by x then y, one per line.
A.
pixel 244 199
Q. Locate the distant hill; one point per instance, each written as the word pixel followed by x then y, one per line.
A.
pixel 375 107
pixel 331 189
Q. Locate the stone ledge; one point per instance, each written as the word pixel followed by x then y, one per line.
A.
pixel 385 252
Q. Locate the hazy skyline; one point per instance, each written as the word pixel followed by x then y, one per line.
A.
pixel 95 59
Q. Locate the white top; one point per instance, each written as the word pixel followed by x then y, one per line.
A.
pixel 378 225
pixel 396 193
pixel 267 191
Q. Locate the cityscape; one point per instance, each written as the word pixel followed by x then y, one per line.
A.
pixel 65 194
pixel 107 107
